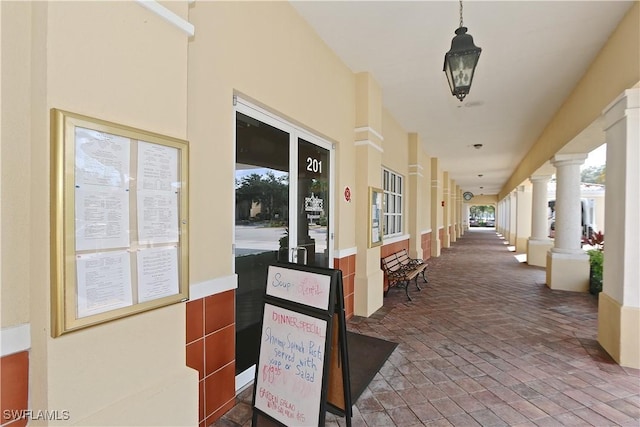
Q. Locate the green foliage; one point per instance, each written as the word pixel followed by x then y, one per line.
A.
pixel 270 191
pixel 593 174
pixel 482 211
pixel 596 261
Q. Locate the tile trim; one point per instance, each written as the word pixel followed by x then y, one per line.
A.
pixel 343 253
pixel 213 287
pixel 15 339
pixel 395 239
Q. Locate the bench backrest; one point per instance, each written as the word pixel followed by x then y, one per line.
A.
pixel 403 257
pixel 391 263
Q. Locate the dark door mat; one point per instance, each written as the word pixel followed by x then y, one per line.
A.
pixel 366 356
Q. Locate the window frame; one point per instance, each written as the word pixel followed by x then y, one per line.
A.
pixel 393 210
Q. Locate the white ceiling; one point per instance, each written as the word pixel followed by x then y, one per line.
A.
pixel 533 54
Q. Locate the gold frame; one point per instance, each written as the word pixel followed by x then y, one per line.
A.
pixel 375 230
pixel 64 252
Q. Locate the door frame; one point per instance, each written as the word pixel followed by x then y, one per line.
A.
pixel 295 132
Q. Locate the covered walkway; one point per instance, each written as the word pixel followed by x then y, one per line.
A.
pixel 487 343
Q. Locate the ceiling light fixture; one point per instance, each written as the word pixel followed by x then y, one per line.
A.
pixel 461 61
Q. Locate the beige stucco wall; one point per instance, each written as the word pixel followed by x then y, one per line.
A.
pixel 69 55
pixel 425 219
pixel 592 94
pixel 15 152
pixel 395 157
pixel 266 53
pixel 395 145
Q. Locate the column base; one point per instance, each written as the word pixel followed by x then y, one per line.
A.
pixel 568 272
pixel 446 241
pixel 521 245
pixel 618 331
pixel 368 294
pixel 511 238
pixel 537 252
pixel 436 246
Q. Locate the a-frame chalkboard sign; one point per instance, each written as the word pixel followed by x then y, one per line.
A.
pixel 303 365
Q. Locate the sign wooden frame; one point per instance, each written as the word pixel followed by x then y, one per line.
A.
pixel 294 383
pixel 119 231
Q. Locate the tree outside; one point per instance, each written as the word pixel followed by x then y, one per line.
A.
pixel 482 216
pixel 593 174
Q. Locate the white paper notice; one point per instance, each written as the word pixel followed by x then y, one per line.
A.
pixel 102 218
pixel 104 282
pixel 102 159
pixel 157 167
pixel 157 194
pixel 157 217
pixel 101 190
pixel 157 273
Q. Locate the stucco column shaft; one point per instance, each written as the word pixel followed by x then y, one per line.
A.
pixel 567 263
pixel 454 213
pixel 619 301
pixel 523 218
pixel 436 210
pixel 513 218
pixel 446 210
pixel 539 242
pixel 568 232
pixel 507 218
pixel 368 285
pixel 415 197
pixel 459 228
pixel 500 217
pixel 539 208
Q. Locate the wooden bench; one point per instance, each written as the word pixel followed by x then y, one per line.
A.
pixel 400 270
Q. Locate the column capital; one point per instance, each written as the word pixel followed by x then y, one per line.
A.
pixel 568 159
pixel 628 100
pixel 539 178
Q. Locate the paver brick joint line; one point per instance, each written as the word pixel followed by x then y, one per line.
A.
pixel 486 343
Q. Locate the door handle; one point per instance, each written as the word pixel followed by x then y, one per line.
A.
pixel 304 250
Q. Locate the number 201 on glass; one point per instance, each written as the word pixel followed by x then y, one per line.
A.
pixel 314 165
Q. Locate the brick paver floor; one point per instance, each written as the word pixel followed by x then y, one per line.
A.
pixel 486 343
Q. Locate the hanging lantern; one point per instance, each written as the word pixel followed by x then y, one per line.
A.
pixel 461 61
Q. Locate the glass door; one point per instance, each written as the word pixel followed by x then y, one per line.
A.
pixel 261 219
pixel 313 203
pixel 282 213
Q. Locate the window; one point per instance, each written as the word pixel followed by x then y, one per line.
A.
pixel 392 186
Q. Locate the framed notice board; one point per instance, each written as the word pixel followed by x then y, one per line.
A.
pixel 301 339
pixel 119 232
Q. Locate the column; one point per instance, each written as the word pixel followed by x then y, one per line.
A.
pixel 513 217
pixel 368 283
pixel 505 217
pixel 459 210
pixel 416 177
pixel 436 209
pixel 500 218
pixel 619 301
pixel 539 243
pixel 567 263
pixel 465 217
pixel 454 212
pixel 446 209
pixel 523 218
